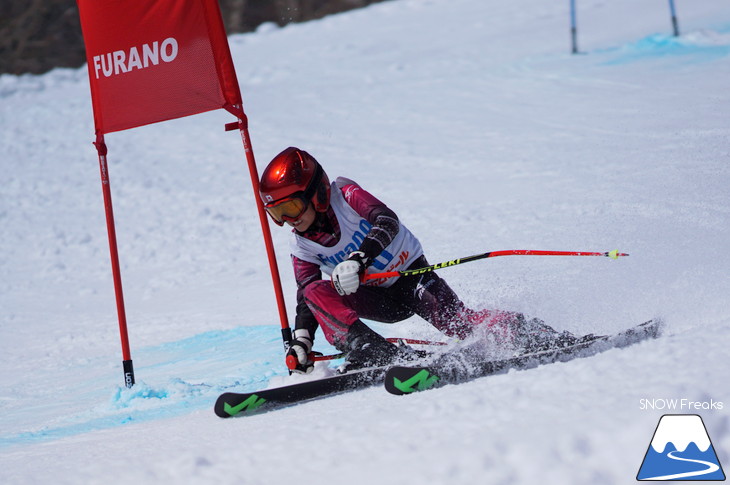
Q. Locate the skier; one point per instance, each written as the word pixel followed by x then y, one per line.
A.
pixel 344 231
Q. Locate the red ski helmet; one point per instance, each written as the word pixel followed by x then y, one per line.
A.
pixel 291 180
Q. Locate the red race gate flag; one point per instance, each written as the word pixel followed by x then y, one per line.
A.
pixel 156 60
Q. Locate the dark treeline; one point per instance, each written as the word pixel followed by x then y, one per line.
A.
pixel 38 35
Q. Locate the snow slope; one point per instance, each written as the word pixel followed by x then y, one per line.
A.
pixel 474 123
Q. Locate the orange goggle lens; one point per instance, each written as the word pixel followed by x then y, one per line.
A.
pixel 289 209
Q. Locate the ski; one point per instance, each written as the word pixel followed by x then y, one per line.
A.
pixel 233 404
pixel 456 367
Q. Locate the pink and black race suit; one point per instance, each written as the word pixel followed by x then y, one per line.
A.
pixel 357 221
pixel 403 248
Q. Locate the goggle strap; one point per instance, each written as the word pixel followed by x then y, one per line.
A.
pixel 314 185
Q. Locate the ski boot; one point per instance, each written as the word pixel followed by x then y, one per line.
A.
pixel 366 348
pixel 534 335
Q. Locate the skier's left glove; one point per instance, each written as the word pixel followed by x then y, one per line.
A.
pixel 346 275
pixel 299 355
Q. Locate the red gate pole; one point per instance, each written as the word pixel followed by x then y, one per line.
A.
pixel 116 273
pixel 242 126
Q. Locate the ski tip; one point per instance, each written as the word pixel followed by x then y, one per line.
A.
pixel 656 327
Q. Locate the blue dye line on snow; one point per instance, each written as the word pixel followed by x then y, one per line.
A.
pixel 695 47
pixel 241 359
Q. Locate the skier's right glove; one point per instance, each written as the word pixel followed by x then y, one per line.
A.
pixel 299 356
pixel 347 275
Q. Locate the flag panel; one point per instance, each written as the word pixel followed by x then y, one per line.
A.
pixel 155 60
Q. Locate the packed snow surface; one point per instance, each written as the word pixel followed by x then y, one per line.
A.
pixel 472 120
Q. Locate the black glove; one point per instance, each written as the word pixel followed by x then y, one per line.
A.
pixel 299 356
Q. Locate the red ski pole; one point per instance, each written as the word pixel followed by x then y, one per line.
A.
pixel 492 254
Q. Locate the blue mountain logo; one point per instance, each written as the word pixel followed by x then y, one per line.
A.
pixel 681 450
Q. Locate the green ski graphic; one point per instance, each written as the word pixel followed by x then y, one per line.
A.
pixel 250 404
pixel 423 379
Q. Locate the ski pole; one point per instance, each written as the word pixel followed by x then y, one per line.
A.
pixel 492 254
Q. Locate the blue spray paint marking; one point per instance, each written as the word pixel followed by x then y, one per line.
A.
pixel 174 379
pixel 700 47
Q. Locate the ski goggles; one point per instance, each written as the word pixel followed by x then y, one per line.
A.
pixel 289 209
